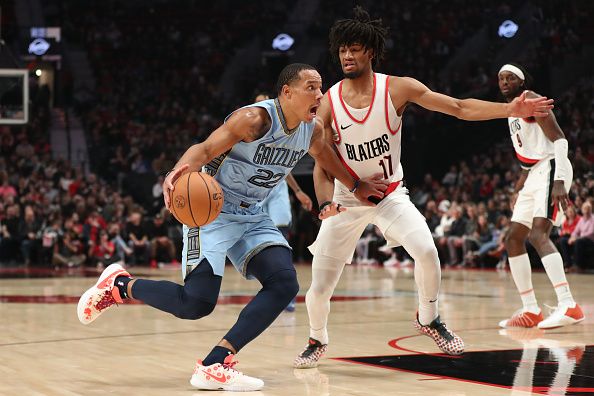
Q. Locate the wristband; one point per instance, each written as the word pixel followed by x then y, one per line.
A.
pixel 324 204
pixel 352 190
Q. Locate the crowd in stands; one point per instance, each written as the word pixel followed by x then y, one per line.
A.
pixel 52 214
pixel 156 94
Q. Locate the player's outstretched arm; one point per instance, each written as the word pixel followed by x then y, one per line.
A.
pixel 470 109
pixel 245 124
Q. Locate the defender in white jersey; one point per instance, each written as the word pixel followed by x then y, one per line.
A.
pixel 363 116
pixel 540 197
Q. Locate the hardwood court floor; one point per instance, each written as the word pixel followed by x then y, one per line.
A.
pixel 137 350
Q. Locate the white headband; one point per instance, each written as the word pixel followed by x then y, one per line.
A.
pixel 512 69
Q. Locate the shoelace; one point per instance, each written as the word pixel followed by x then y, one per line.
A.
pixel 518 312
pixel 106 301
pixel 229 366
pixel 552 309
pixel 443 331
pixel 311 348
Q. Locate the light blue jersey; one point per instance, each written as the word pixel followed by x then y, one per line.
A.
pixel 247 174
pixel 249 171
pixel 278 205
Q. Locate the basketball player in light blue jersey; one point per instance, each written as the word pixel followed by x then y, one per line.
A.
pixel 248 155
pixel 278 204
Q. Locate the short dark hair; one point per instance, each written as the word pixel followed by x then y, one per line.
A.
pixel 371 34
pixel 290 74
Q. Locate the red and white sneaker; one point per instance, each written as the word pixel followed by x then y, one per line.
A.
pixel 310 356
pixel 445 339
pixel 522 318
pixel 101 296
pixel 223 377
pixel 564 315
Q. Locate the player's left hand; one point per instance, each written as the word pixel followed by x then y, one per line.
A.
pixel 330 210
pixel 372 186
pixel 559 195
pixel 305 200
pixel 523 107
pixel 168 183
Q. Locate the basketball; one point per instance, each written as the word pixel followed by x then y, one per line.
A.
pixel 197 199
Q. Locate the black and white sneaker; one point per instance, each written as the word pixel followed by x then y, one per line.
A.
pixel 310 356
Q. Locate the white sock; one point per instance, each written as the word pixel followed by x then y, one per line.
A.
pixel 419 244
pixel 553 265
pixel 326 272
pixel 522 275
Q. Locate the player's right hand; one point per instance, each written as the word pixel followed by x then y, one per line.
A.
pixel 374 185
pixel 330 210
pixel 168 183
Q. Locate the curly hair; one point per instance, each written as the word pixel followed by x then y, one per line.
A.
pixel 371 34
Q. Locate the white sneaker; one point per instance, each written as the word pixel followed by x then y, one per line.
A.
pixel 564 315
pixel 223 377
pixel 101 296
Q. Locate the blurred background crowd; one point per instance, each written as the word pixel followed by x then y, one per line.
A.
pixel 129 114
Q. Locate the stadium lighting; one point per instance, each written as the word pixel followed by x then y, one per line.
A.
pixel 508 29
pixel 283 42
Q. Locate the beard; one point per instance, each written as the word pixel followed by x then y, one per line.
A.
pixel 352 75
pixel 512 94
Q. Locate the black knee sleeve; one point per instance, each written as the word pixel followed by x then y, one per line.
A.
pixel 284 284
pixel 193 309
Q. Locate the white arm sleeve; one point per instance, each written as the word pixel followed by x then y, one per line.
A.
pixel 561 162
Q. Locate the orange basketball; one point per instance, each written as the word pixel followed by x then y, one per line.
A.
pixel 197 199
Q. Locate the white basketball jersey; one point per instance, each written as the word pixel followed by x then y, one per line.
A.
pixel 530 142
pixel 369 139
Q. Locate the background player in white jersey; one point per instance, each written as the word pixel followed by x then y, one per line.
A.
pixel 363 113
pixel 540 196
pixel 278 204
pixel 247 171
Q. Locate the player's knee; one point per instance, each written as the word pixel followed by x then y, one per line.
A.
pixel 426 254
pixel 285 284
pixel 195 309
pixel 512 241
pixel 320 290
pixel 538 238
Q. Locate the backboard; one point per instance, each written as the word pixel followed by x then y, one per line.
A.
pixel 14 96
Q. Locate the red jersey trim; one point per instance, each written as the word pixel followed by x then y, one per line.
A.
pixel 347 110
pixel 334 118
pixel 529 120
pixel 526 160
pixel 555 213
pixel 387 95
pixel 391 188
pixel 347 167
